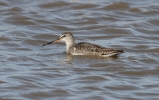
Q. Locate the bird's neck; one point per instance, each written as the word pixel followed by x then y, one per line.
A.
pixel 69 44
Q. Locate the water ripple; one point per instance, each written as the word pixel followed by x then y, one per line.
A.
pixel 30 71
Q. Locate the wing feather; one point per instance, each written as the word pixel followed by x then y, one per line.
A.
pixel 93 49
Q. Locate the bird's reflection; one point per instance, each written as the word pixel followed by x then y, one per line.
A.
pixel 69 59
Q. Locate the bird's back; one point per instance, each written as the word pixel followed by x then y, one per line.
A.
pixel 84 48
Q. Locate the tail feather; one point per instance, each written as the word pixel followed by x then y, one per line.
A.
pixel 112 53
pixel 120 51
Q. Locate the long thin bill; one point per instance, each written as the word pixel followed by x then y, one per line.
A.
pixel 58 40
pixel 48 43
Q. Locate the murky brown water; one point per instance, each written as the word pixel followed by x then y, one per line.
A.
pixel 31 72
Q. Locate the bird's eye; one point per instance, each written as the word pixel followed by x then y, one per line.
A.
pixel 63 36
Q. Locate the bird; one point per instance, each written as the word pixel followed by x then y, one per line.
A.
pixel 84 48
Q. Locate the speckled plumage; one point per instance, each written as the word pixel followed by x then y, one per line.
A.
pixel 85 48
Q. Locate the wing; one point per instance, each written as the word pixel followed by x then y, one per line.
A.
pixel 92 49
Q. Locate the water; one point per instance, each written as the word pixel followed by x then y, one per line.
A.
pixel 31 72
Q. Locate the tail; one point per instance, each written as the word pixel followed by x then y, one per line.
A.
pixel 112 53
pixel 120 51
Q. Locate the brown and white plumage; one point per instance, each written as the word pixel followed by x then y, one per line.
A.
pixel 84 48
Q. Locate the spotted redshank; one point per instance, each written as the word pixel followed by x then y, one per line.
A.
pixel 84 48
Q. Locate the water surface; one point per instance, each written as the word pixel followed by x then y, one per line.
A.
pixel 31 72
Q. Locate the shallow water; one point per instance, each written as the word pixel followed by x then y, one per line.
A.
pixel 31 72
